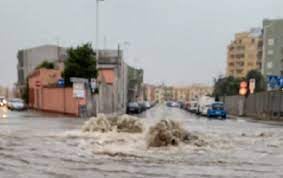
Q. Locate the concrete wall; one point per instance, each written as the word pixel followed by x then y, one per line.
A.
pixel 58 100
pixel 234 105
pixel 264 105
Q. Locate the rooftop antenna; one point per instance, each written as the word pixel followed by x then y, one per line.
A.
pixel 57 41
pixel 58 47
pixel 105 42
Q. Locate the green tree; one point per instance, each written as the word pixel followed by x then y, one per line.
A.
pixel 260 83
pixel 47 65
pixel 25 93
pixel 226 86
pixel 81 62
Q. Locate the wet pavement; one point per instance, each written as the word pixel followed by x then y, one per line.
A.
pixel 33 145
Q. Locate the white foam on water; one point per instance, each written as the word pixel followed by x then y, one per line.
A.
pixel 133 142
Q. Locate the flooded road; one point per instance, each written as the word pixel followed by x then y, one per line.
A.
pixel 33 145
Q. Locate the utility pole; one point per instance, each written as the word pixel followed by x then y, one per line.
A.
pixel 97 48
pixel 97 29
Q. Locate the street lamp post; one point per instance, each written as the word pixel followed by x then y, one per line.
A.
pixel 97 47
pixel 97 29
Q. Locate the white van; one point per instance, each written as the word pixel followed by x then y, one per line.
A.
pixel 204 103
pixel 193 106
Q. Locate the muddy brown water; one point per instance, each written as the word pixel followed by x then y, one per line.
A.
pixel 33 145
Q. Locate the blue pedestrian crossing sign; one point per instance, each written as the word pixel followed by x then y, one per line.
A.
pixel 281 82
pixel 275 82
pixel 61 82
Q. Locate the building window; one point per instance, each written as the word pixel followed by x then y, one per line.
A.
pixel 270 42
pixel 260 44
pixel 250 64
pixel 269 65
pixel 21 58
pixel 239 71
pixel 240 64
pixel 21 76
pixel 253 41
pixel 270 52
pixel 251 56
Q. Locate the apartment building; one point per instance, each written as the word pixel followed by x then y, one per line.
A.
pixel 245 53
pixel 29 59
pixel 273 47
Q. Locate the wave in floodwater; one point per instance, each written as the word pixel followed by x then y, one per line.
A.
pixel 132 136
pixel 164 133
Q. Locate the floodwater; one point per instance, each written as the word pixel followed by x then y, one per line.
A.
pixel 33 145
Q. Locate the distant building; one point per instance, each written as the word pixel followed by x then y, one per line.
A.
pixel 192 92
pixel 180 93
pixel 168 93
pixel 29 59
pixel 198 90
pixel 149 92
pixel 273 47
pixel 4 91
pixel 159 94
pixel 244 53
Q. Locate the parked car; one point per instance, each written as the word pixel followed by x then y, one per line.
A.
pixel 173 104
pixel 16 104
pixel 3 101
pixel 186 106
pixel 142 106
pixel 217 110
pixel 204 103
pixel 193 106
pixel 133 108
pixel 147 104
pixel 181 104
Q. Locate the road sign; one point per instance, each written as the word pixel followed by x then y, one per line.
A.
pixel 78 90
pixel 243 84
pixel 273 81
pixel 93 84
pixel 252 86
pixel 243 91
pixel 61 82
pixel 281 82
pixel 78 80
pixel 243 88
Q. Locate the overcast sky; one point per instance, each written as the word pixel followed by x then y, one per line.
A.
pixel 175 41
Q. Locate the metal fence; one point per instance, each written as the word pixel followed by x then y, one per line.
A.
pixel 264 105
